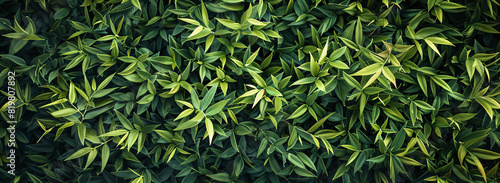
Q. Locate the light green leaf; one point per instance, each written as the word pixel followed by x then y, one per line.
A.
pixel 209 96
pixel 137 4
pixel 190 123
pixel 79 153
pixel 184 114
pixel 82 129
pixel 303 81
pixel 438 40
pixel 273 91
pixel 104 156
pixel 319 123
pixel 114 133
pixel 295 160
pixel 441 83
pixel 323 52
pixel 64 112
pixel 306 160
pixel 485 28
pixel 216 108
pixel 229 23
pixel 210 129
pixel 17 60
pixel 299 112
pixel 252 57
pixel 258 79
pixel 432 46
pixel 190 21
pixel 369 70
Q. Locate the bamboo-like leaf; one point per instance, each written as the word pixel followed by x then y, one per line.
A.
pixel 299 111
pixel 369 70
pixel 79 153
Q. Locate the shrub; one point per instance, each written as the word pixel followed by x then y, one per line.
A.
pixel 250 91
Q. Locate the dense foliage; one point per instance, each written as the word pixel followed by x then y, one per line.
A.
pixel 251 90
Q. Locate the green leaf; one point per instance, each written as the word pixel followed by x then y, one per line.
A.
pixel 82 129
pixel 114 133
pixel 351 81
pixel 373 78
pixel 81 152
pixel 233 1
pixel 198 33
pixel 304 81
pixel 479 166
pixel 295 160
pixel 432 46
pixel 369 70
pixel 339 65
pixel 136 4
pixel 17 60
pixel 210 129
pixel 204 14
pixel 229 23
pixel 484 154
pixel 124 121
pixel 306 160
pixel 338 53
pixel 190 123
pixel 258 79
pixel 216 108
pixel 165 134
pixel 388 74
pixel 377 159
pixel 273 91
pixel 299 112
pixel 146 99
pixel 184 114
pixel 349 43
pixel 441 83
pixel 359 32
pixel 90 158
pixel 319 123
pixel 61 13
pixel 105 82
pixel 314 67
pixel 485 28
pixel 209 96
pixel 61 129
pixel 252 57
pixel 222 177
pixel 262 146
pixel 323 53
pixel 259 96
pixel 256 22
pixel 422 82
pixel 64 112
pixel 423 105
pixel 190 21
pixel 450 5
pixel 194 99
pixel 409 161
pixel 75 61
pixel 438 40
pixel 398 140
pixel 341 170
pixel 104 156
pixel 320 85
pixel 303 172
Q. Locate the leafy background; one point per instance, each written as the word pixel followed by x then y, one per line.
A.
pixel 252 91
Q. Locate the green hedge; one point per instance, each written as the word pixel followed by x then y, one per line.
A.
pixel 250 90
